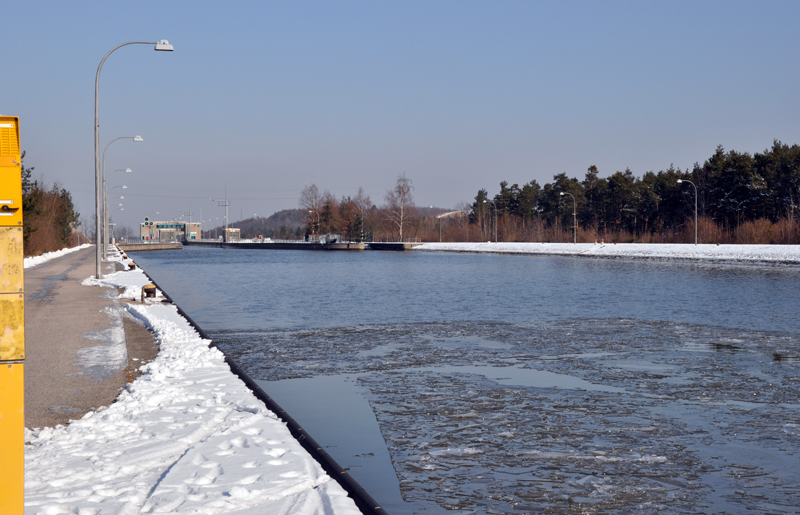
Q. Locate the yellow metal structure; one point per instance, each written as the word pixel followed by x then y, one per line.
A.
pixel 10 172
pixel 12 427
pixel 12 327
pixel 11 255
pixel 12 322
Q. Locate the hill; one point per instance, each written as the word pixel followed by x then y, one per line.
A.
pixel 285 224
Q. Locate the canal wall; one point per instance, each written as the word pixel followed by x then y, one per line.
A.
pixel 139 247
pixel 300 245
pixel 363 500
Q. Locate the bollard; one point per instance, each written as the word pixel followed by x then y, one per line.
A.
pixel 131 266
pixel 12 322
pixel 148 290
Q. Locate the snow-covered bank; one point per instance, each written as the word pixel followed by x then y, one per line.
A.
pixel 38 260
pixel 187 436
pixel 786 254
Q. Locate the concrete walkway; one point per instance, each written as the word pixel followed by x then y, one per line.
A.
pixel 77 358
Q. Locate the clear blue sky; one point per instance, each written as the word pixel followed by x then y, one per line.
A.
pixel 269 97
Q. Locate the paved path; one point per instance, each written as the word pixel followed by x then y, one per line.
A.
pixel 77 358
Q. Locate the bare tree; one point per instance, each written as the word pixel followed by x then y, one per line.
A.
pixel 310 200
pixel 364 206
pixel 399 206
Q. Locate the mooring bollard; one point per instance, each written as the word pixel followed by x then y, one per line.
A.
pixel 131 266
pixel 148 290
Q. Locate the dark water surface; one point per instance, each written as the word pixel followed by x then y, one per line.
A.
pixel 520 384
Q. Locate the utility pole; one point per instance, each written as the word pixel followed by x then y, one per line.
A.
pixel 225 203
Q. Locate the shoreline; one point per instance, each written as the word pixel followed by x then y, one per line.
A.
pixel 187 435
pixel 708 253
pixel 362 498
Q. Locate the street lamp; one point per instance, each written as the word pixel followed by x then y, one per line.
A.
pixel 738 205
pixel 312 222
pixel 695 207
pixel 113 225
pixel 574 216
pixel 137 139
pixel 105 200
pixel 162 45
pixel 225 203
pixel 495 219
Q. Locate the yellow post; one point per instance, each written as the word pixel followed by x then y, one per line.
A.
pixel 12 322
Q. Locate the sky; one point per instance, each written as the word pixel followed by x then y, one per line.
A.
pixel 260 99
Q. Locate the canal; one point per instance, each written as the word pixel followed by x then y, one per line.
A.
pixel 519 384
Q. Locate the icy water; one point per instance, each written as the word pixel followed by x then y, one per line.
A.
pixel 520 384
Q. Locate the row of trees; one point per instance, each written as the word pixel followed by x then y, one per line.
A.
pixel 356 218
pixel 741 198
pixel 49 216
pixel 733 189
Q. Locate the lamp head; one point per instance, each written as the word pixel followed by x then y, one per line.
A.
pixel 679 181
pixel 124 187
pixel 128 170
pixel 137 139
pixel 561 193
pixel 164 46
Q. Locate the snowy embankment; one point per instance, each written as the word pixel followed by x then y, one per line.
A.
pixel 777 254
pixel 187 436
pixel 38 260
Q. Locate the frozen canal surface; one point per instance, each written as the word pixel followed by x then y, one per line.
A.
pixel 520 384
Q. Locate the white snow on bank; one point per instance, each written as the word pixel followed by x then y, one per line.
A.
pixel 187 436
pixel 778 254
pixel 38 260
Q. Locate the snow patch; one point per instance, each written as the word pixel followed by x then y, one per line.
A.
pixel 784 254
pixel 29 262
pixel 187 436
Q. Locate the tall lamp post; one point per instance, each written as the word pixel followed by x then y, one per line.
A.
pixel 137 139
pixel 495 218
pixel 105 205
pixel 695 207
pixel 312 222
pixel 112 213
pixel 574 216
pixel 162 45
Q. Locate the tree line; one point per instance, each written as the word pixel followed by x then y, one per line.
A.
pixel 356 218
pixel 49 215
pixel 736 192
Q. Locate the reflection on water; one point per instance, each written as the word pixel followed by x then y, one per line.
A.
pixel 554 390
pixel 335 407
